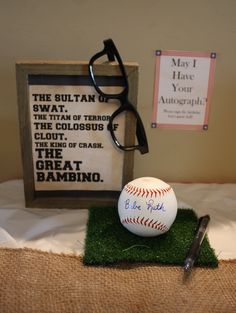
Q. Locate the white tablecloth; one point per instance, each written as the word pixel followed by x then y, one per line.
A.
pixel 63 230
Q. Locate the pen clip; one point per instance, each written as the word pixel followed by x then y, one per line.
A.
pixel 204 220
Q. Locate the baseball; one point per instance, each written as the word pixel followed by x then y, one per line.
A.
pixel 147 206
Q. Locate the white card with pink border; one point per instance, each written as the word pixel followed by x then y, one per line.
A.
pixel 183 89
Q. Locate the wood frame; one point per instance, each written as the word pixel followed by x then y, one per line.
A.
pixel 71 198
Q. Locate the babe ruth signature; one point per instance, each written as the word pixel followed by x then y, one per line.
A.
pixel 150 205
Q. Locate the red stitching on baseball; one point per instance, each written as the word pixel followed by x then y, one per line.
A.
pixel 139 192
pixel 133 190
pixel 148 223
pixel 154 224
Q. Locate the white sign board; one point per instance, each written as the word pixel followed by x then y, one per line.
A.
pixel 69 131
pixel 183 89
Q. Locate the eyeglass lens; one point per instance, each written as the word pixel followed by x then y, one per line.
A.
pixel 125 120
pixel 106 81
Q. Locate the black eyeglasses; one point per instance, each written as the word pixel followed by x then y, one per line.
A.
pixel 111 52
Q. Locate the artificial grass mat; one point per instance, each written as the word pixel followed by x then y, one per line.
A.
pixel 108 242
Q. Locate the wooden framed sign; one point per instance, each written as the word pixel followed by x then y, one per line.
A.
pixel 69 158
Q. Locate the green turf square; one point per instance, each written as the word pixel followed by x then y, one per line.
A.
pixel 108 242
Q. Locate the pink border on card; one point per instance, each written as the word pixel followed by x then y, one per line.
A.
pixel 156 89
pixel 210 86
pixel 176 53
pixel 160 53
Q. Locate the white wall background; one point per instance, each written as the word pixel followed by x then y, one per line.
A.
pixel 75 29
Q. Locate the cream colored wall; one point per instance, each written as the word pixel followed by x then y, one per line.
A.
pixel 74 30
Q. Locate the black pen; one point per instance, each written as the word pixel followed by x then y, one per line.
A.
pixel 196 244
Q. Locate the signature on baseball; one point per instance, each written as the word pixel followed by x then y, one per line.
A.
pixel 151 205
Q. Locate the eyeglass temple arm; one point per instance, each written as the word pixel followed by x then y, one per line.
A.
pixel 111 57
pixel 109 49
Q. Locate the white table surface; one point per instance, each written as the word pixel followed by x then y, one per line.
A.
pixel 63 230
